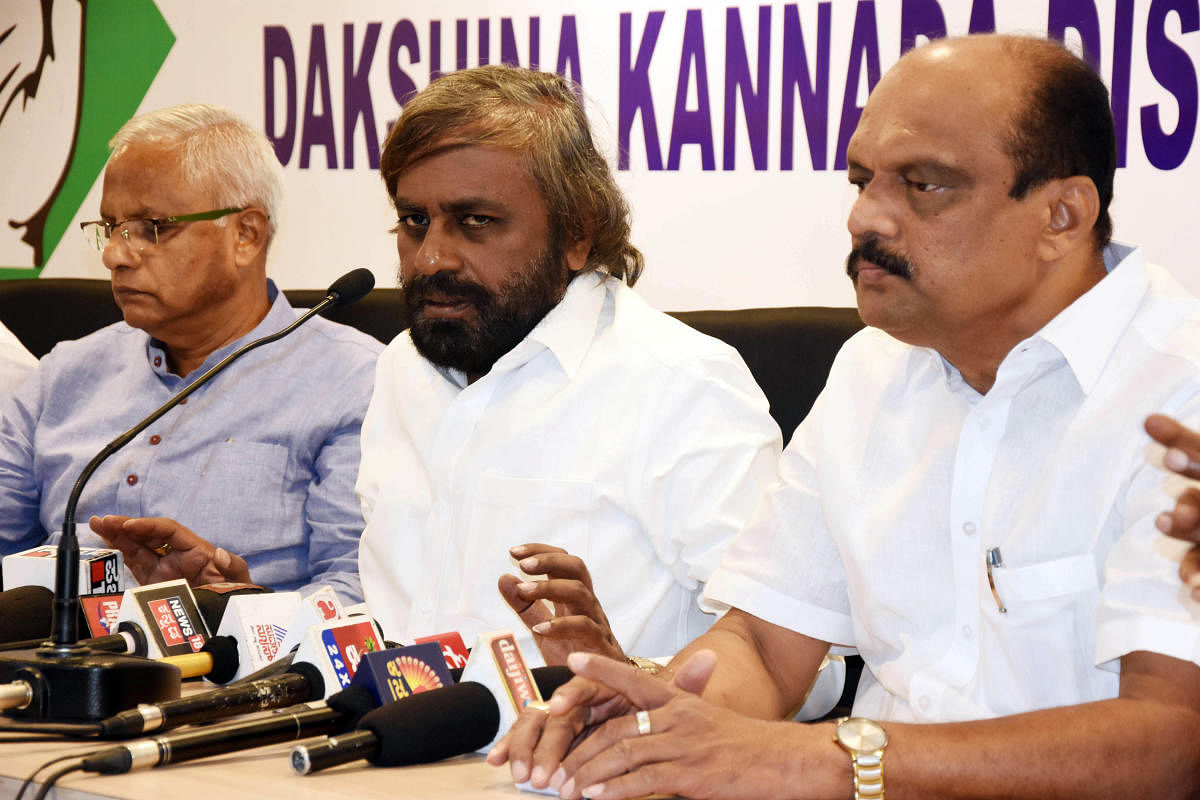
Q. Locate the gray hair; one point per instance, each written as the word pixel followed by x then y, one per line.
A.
pixel 218 151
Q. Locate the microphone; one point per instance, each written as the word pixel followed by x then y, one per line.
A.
pixel 421 728
pixel 350 288
pixel 66 676
pixel 26 613
pixel 277 726
pixel 301 684
pixel 213 598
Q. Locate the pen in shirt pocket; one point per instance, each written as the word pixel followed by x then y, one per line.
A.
pixel 992 559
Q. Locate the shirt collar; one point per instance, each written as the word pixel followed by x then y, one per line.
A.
pixel 1086 331
pixel 568 329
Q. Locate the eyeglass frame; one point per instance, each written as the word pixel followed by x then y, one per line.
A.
pixel 198 216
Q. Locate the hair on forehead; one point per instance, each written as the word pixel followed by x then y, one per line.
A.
pixel 539 116
pixel 230 161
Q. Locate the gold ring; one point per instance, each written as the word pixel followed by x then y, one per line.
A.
pixel 163 549
pixel 643 722
pixel 538 705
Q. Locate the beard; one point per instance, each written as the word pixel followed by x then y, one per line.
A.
pixel 501 319
pixel 869 249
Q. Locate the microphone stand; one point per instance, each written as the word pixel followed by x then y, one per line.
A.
pixel 68 680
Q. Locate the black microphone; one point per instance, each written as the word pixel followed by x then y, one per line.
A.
pixel 211 600
pixel 25 613
pixel 350 288
pixel 64 676
pixel 297 722
pixel 302 684
pixel 421 728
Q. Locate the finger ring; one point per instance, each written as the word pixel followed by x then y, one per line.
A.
pixel 163 549
pixel 538 705
pixel 643 722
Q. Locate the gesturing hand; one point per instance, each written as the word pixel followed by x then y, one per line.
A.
pixel 577 623
pixel 1183 521
pixel 160 549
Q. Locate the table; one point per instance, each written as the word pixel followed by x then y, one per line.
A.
pixel 260 773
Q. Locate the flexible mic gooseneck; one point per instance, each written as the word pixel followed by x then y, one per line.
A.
pixel 345 290
pixel 69 680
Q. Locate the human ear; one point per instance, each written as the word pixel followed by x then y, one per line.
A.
pixel 577 253
pixel 252 233
pixel 1073 206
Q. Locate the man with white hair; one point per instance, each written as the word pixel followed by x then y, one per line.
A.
pixel 252 477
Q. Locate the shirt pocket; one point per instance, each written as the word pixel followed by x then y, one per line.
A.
pixel 238 498
pixel 507 511
pixel 1049 632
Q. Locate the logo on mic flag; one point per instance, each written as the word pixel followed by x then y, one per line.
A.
pixel 346 645
pixel 399 672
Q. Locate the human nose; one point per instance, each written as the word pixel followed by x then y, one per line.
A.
pixel 120 250
pixel 437 252
pixel 873 213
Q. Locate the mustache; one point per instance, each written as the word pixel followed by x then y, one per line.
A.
pixel 418 289
pixel 869 249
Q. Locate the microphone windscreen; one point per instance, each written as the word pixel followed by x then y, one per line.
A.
pixel 212 599
pixel 430 726
pixel 354 701
pixel 225 657
pixel 351 287
pixel 550 678
pixel 25 613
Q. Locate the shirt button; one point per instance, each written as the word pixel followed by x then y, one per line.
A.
pixel 131 480
pixel 967 633
pixel 968 528
pixel 923 702
pixel 158 361
pixel 155 439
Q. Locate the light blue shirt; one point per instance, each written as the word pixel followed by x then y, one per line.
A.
pixel 261 461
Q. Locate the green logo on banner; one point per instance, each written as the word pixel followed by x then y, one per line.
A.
pixel 86 62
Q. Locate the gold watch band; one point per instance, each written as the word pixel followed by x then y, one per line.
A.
pixel 868 775
pixel 645 664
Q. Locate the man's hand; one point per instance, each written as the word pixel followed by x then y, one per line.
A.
pixel 693 748
pixel 1182 522
pixel 160 549
pixel 577 623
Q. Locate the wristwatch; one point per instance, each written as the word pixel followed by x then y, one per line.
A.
pixel 864 740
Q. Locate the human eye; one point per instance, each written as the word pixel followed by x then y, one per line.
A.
pixel 476 221
pixel 923 187
pixel 858 179
pixel 411 222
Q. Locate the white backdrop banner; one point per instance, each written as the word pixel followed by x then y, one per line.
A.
pixel 726 123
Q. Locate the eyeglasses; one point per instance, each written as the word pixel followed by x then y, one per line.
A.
pixel 142 232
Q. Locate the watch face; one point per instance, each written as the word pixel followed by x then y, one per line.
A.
pixel 861 735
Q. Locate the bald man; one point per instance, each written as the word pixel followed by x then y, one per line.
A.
pixel 968 504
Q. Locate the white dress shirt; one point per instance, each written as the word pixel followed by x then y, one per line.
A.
pixel 612 431
pixel 903 477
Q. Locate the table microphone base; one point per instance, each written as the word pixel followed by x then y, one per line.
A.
pixel 76 683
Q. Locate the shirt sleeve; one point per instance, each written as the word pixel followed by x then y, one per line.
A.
pixel 785 567
pixel 331 509
pixel 1144 605
pixel 711 451
pixel 20 496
